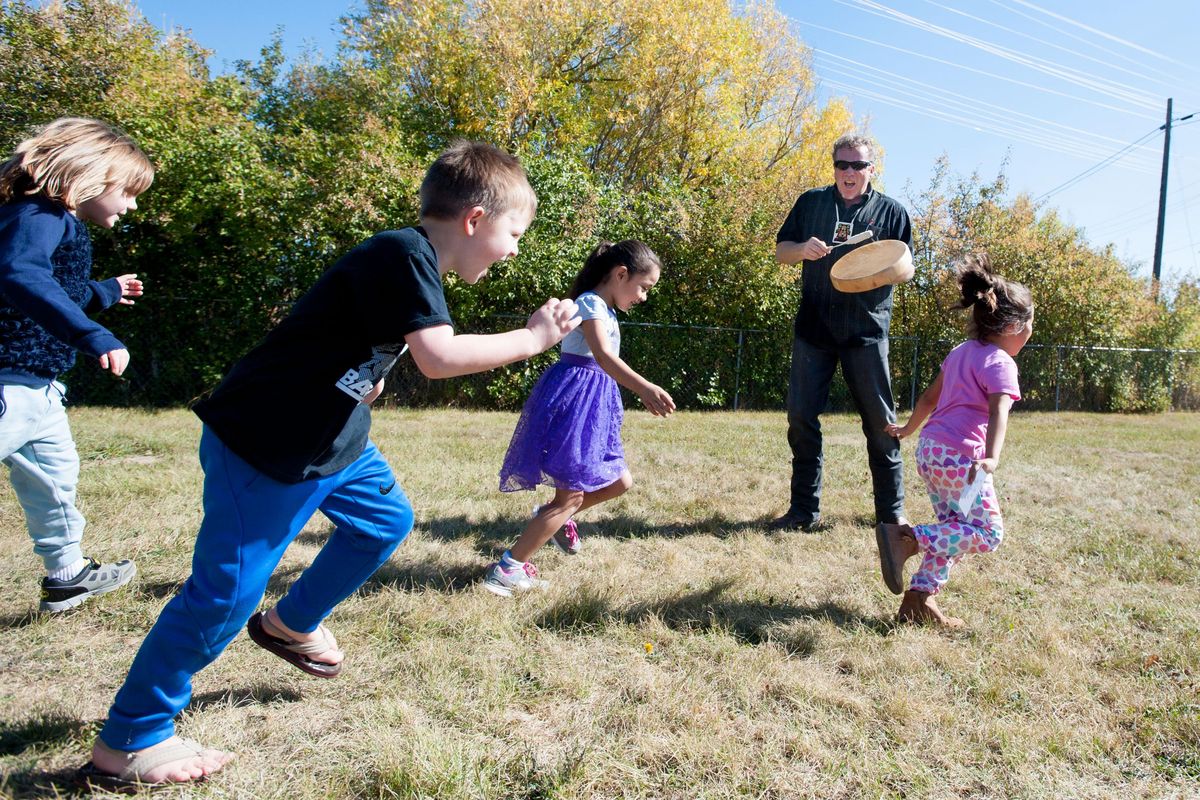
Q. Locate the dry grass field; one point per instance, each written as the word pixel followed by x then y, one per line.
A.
pixel 685 653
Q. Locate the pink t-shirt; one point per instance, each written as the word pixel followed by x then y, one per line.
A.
pixel 970 373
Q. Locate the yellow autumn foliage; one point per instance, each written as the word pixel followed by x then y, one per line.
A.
pixel 701 93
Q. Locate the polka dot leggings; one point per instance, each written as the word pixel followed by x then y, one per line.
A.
pixel 977 529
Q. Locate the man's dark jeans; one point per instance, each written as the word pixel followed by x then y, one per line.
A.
pixel 866 372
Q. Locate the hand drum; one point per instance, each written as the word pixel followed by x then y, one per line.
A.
pixel 873 265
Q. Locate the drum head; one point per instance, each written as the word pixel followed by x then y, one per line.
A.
pixel 873 265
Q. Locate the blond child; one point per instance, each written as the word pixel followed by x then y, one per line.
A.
pixel 286 435
pixel 70 172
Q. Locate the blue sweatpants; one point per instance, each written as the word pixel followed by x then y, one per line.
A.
pixel 249 520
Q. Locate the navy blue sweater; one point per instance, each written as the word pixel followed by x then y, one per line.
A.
pixel 46 293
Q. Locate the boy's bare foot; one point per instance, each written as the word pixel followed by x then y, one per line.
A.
pixel 173 760
pixel 273 625
pixel 920 608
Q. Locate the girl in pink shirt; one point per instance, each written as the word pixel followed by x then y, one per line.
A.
pixel 960 446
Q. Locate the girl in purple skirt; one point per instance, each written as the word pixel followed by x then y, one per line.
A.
pixel 569 433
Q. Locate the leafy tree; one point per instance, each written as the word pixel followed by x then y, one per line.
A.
pixel 692 129
pixel 1084 295
pixel 641 91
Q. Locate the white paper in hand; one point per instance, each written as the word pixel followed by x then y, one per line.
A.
pixel 971 493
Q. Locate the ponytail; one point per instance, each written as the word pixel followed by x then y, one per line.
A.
pixel 997 305
pixel 607 256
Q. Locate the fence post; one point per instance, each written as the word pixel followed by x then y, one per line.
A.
pixel 737 369
pixel 1057 375
pixel 912 378
pixel 1171 379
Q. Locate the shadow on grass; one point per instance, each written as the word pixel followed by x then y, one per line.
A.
pixel 440 577
pixel 863 521
pixel 238 698
pixel 45 730
pixel 751 622
pixel 827 523
pixel 498 532
pixel 280 580
pixel 447 529
pixel 37 784
pixel 492 537
pixel 20 620
pixel 41 733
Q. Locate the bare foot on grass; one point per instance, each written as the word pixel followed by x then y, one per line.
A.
pixel 192 764
pixel 920 608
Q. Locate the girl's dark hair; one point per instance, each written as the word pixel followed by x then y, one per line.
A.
pixel 997 305
pixel 631 254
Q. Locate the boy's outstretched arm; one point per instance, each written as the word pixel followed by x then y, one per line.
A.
pixel 926 403
pixel 439 353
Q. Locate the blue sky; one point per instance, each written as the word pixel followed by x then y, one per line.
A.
pixel 1058 87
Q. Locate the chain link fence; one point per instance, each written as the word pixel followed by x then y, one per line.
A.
pixel 1059 377
pixel 706 367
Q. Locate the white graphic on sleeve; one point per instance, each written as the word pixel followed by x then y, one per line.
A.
pixel 359 382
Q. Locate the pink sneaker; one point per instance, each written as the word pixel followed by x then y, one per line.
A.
pixel 504 582
pixel 567 539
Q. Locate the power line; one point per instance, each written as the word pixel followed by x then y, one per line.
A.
pixel 1101 33
pixel 1054 45
pixel 1138 215
pixel 1076 37
pixel 997 76
pixel 1046 142
pixel 989 125
pixel 1068 74
pixel 1122 81
pixel 1142 221
pixel 1123 224
pixel 1187 219
pixel 1096 168
pixel 1039 129
pixel 1183 122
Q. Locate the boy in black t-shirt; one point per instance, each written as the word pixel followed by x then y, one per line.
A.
pixel 285 435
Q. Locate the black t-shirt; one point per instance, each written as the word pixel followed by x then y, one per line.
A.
pixel 827 316
pixel 292 406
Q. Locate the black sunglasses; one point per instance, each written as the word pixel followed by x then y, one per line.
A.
pixel 857 166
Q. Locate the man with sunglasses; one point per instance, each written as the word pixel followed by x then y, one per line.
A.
pixel 835 327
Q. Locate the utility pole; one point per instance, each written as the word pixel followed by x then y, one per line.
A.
pixel 1162 201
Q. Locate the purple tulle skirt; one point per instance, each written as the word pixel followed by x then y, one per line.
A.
pixel 569 433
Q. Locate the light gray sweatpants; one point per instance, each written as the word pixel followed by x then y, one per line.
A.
pixel 36 445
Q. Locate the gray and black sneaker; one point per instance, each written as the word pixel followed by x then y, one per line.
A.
pixel 93 579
